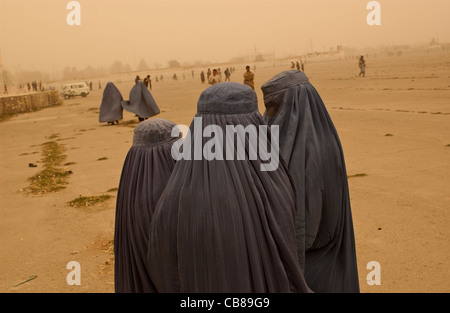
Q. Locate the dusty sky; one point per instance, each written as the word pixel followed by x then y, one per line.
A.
pixel 34 34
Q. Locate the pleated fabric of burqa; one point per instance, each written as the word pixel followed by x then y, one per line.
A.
pixel 312 151
pixel 111 108
pixel 141 102
pixel 146 171
pixel 225 225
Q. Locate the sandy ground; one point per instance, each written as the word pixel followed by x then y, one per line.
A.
pixel 394 126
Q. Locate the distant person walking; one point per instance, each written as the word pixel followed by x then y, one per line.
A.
pixel 214 78
pixel 148 82
pixel 362 67
pixel 227 75
pixel 249 77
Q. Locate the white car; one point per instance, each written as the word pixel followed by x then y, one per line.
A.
pixel 75 89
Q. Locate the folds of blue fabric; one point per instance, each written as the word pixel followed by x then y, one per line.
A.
pixel 225 225
pixel 111 106
pixel 312 150
pixel 145 174
pixel 141 102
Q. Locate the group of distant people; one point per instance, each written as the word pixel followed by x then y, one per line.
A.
pixel 201 225
pixel 147 81
pixel 299 65
pixel 33 86
pixel 215 76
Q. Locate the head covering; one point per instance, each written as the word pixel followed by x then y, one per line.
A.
pixel 111 108
pixel 141 102
pixel 311 148
pixel 225 225
pixel 146 170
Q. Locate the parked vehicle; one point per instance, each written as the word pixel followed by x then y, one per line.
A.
pixel 75 89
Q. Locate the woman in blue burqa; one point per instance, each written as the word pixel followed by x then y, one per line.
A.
pixel 312 151
pixel 223 224
pixel 111 110
pixel 146 171
pixel 141 102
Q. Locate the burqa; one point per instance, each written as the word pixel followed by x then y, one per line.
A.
pixel 225 225
pixel 145 173
pixel 141 102
pixel 311 148
pixel 111 109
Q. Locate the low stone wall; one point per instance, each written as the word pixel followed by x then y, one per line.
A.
pixel 29 102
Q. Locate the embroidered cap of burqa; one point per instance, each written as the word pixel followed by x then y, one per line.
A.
pixel 111 108
pixel 225 225
pixel 141 102
pixel 145 173
pixel 311 148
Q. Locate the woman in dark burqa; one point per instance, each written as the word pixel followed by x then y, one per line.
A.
pixel 145 173
pixel 312 151
pixel 141 102
pixel 222 224
pixel 111 108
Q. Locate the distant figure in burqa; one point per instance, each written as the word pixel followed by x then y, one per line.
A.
pixel 225 225
pixel 362 66
pixel 111 110
pixel 312 150
pixel 141 102
pixel 145 173
pixel 208 74
pixel 249 77
pixel 202 77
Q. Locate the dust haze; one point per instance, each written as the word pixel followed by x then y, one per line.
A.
pixel 35 35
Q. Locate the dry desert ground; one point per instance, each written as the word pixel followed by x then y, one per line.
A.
pixel 394 125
